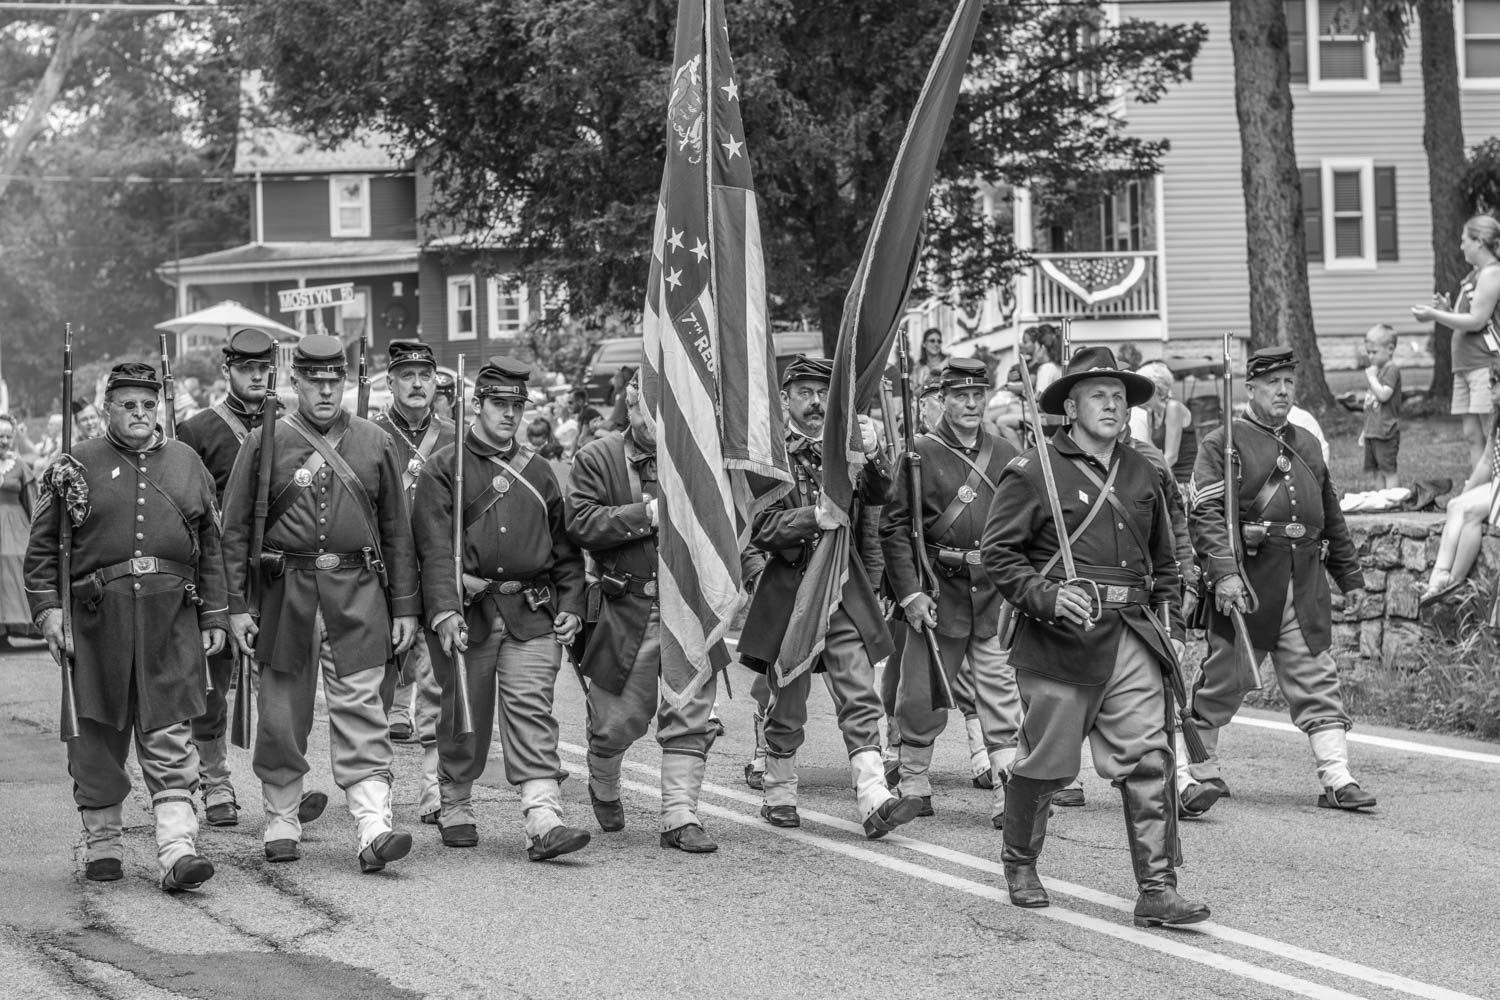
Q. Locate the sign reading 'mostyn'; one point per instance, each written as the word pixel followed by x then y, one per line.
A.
pixel 302 299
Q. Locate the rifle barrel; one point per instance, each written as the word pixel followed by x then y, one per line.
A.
pixel 68 713
pixel 168 391
pixel 463 724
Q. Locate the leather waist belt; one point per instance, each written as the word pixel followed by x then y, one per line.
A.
pixel 1295 530
pixel 323 560
pixel 954 558
pixel 508 587
pixel 639 587
pixel 144 566
pixel 1115 596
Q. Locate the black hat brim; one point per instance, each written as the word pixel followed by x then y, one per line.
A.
pixel 1138 389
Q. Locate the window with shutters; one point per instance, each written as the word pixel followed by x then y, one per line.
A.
pixel 1328 50
pixel 462 323
pixel 1478 25
pixel 1349 214
pixel 349 206
pixel 507 306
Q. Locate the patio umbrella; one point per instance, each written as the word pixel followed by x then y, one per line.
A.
pixel 222 319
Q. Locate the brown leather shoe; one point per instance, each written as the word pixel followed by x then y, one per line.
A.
pixel 891 814
pixel 557 841
pixel 611 815
pixel 1068 797
pixel 1164 908
pixel 692 839
pixel 1348 797
pixel 784 816
pixel 281 851
pixel 389 846
pixel 222 814
pixel 1196 799
pixel 1025 888
pixel 460 835
pixel 104 870
pixel 755 779
pixel 188 874
pixel 311 806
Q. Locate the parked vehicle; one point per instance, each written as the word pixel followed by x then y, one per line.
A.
pixel 608 357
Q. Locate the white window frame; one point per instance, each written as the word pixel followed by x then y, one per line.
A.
pixel 494 288
pixel 1464 82
pixel 335 228
pixel 1315 81
pixel 1366 169
pixel 456 282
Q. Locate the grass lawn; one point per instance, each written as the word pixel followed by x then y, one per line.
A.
pixel 1431 448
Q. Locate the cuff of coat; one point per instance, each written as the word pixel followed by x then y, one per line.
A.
pixel 637 519
pixel 238 605
pixel 213 619
pixel 1218 567
pixel 439 618
pixel 1352 581
pixel 43 600
pixel 406 607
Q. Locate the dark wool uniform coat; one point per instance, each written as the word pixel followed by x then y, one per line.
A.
pixel 519 537
pixel 607 518
pixel 142 637
pixel 1304 494
pixel 324 518
pixel 787 531
pixel 410 455
pixel 214 439
pixel 968 601
pixel 1020 538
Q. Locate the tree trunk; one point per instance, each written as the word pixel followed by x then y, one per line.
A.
pixel 1443 138
pixel 830 315
pixel 73 35
pixel 1280 306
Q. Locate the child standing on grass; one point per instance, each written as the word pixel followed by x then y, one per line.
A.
pixel 1382 433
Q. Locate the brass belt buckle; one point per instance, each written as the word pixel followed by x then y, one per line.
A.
pixel 1117 595
pixel 1295 530
pixel 972 557
pixel 141 565
pixel 649 588
pixel 327 560
pixel 510 587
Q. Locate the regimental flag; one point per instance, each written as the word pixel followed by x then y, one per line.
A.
pixel 868 329
pixel 710 371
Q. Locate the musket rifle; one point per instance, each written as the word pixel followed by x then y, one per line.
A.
pixel 941 690
pixel 168 391
pixel 463 722
pixel 1246 670
pixel 241 722
pixel 362 399
pixel 68 726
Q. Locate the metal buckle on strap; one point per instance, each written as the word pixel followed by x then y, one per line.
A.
pixel 649 588
pixel 328 560
pixel 141 565
pixel 1295 529
pixel 510 587
pixel 973 557
pixel 1117 595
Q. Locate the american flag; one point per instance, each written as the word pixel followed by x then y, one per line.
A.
pixel 867 331
pixel 710 373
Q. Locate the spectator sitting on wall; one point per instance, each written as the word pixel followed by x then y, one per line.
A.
pixel 1468 511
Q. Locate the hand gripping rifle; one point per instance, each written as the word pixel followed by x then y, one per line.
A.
pixel 168 391
pixel 362 400
pixel 68 726
pixel 941 690
pixel 240 726
pixel 1246 672
pixel 463 722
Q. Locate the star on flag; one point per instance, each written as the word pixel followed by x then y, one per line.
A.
pixel 731 90
pixel 733 146
pixel 700 250
pixel 674 278
pixel 675 241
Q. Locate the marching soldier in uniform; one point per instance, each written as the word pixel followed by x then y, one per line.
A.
pixel 787 531
pixel 523 602
pixel 338 598
pixel 1293 538
pixel 216 435
pixel 961 460
pixel 417 429
pixel 612 513
pixel 1089 652
pixel 148 604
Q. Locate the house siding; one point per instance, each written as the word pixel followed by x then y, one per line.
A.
pixel 435 269
pixel 297 209
pixel 1204 204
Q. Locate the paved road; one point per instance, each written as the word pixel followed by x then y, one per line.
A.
pixel 1401 903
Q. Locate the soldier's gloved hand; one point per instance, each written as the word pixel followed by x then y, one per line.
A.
pixel 921 612
pixel 213 641
pixel 52 631
pixel 403 631
pixel 1074 605
pixel 453 632
pixel 244 630
pixel 824 517
pixel 1189 603
pixel 652 511
pixel 1351 599
pixel 1229 594
pixel 565 626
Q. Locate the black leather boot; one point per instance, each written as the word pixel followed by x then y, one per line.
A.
pixel 1027 803
pixel 1151 823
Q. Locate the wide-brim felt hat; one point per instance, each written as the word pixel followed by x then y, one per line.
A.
pixel 1095 362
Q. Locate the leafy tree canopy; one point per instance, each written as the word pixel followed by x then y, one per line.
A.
pixel 543 121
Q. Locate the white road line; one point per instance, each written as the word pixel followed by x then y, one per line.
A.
pixel 1406 746
pixel 1129 934
pixel 1314 959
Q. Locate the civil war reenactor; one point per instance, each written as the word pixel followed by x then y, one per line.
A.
pixel 522 603
pixel 613 506
pixel 960 461
pixel 148 603
pixel 857 637
pixel 1091 647
pixel 338 597
pixel 418 429
pixel 216 435
pixel 1293 537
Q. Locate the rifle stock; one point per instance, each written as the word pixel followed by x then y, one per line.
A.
pixel 168 391
pixel 1246 671
pixel 68 714
pixel 241 721
pixel 939 687
pixel 463 722
pixel 362 404
pixel 1197 752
